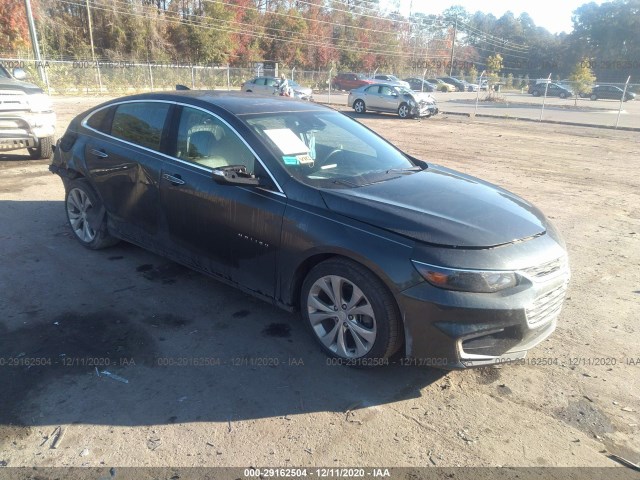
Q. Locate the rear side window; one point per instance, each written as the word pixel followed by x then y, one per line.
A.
pixel 98 120
pixel 140 123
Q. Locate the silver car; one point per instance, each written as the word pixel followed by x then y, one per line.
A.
pixel 263 85
pixel 269 86
pixel 389 98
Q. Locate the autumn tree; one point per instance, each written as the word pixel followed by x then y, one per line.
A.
pixel 582 79
pixel 494 67
pixel 14 33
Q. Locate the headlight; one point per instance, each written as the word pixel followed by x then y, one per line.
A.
pixel 480 281
pixel 40 102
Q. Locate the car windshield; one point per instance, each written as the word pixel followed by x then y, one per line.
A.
pixel 4 73
pixel 328 149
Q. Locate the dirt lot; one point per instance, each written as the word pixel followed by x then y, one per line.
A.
pixel 572 402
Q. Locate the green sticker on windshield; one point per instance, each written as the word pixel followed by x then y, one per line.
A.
pixel 290 160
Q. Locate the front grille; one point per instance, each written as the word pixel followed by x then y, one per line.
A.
pixel 546 307
pixel 546 269
pixel 11 100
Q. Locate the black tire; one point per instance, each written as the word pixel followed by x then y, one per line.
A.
pixel 359 106
pixel 81 202
pixel 535 93
pixel 563 95
pixel 404 111
pixel 379 334
pixel 593 97
pixel 43 150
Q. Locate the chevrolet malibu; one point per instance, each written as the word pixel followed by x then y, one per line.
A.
pixel 385 255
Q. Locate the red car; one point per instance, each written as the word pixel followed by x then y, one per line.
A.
pixel 349 81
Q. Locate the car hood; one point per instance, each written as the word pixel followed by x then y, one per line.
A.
pixel 13 84
pixel 423 97
pixel 441 207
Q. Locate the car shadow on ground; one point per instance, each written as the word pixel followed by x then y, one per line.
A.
pixel 124 337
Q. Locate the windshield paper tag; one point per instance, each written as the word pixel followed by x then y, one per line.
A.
pixel 290 160
pixel 287 141
pixel 305 159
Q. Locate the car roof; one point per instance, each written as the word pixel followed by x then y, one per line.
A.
pixel 236 103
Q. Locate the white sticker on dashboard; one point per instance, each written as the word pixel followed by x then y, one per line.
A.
pixel 287 141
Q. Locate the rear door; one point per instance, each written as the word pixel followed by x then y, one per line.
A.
pixel 123 160
pixel 230 231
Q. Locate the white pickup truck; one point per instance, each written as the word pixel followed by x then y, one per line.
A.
pixel 27 119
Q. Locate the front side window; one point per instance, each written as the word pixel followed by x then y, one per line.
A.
pixel 328 149
pixel 140 123
pixel 207 141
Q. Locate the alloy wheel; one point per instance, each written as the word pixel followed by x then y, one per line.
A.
pixel 341 316
pixel 78 211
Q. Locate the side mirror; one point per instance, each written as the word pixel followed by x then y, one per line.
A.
pixel 234 175
pixel 19 74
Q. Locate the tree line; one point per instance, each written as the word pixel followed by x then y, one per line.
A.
pixel 358 35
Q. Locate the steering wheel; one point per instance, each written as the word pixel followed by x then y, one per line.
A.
pixel 332 153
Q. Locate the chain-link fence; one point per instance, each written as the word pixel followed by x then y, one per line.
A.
pixel 86 77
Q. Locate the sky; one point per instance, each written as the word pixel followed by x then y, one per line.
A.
pixel 555 17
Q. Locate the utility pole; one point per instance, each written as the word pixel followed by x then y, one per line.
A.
pixel 453 45
pixel 34 41
pixel 93 53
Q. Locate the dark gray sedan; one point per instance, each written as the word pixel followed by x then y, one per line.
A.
pixel 383 254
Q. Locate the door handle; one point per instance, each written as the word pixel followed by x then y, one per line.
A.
pixel 175 180
pixel 99 153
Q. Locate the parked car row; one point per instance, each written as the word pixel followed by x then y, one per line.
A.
pixel 564 90
pixel 349 81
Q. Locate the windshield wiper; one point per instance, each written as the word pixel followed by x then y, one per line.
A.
pixel 405 170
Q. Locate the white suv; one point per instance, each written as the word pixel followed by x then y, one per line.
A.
pixel 27 119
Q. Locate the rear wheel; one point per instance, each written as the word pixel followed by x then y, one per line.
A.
pixel 43 150
pixel 83 208
pixel 350 312
pixel 359 106
pixel 563 95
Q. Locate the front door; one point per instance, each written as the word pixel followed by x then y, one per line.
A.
pixel 226 230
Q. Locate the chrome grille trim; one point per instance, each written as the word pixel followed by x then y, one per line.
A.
pixel 546 307
pixel 546 269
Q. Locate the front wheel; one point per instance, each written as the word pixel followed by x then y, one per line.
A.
pixel 535 93
pixel 359 106
pixel 43 150
pixel 83 213
pixel 350 312
pixel 593 96
pixel 404 111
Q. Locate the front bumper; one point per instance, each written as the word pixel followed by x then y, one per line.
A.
pixel 456 330
pixel 424 110
pixel 23 129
